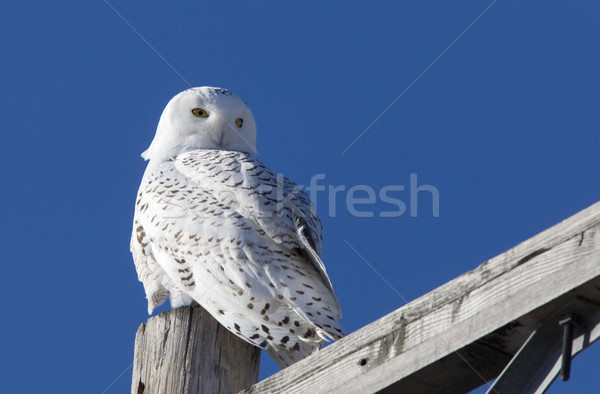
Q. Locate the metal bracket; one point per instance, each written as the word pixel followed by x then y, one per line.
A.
pixel 549 349
pixel 567 322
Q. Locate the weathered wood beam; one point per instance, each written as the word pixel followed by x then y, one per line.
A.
pixel 462 334
pixel 185 350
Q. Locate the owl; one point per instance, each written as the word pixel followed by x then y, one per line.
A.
pixel 214 225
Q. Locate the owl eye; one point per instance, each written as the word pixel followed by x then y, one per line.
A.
pixel 239 122
pixel 199 112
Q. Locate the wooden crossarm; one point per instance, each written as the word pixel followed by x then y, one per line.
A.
pixel 462 334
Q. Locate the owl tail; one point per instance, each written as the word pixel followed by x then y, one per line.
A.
pixel 286 357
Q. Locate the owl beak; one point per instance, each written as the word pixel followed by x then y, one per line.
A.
pixel 218 138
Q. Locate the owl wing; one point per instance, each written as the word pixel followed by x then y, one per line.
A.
pixel 277 205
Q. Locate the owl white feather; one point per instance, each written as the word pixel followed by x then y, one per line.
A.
pixel 214 225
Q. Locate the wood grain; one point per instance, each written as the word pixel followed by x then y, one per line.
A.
pixel 185 350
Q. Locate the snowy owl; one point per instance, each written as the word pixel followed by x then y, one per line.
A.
pixel 214 225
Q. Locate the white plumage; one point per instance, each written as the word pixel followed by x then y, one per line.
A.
pixel 214 225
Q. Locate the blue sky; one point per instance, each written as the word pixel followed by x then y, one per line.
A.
pixel 504 125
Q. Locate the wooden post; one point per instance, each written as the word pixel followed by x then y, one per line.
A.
pixel 185 350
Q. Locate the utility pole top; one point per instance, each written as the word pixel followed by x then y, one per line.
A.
pixel 185 350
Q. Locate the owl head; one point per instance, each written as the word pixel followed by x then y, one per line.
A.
pixel 203 118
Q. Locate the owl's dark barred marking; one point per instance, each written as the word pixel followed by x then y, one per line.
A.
pixel 214 225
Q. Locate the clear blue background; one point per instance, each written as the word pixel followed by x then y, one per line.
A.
pixel 505 125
